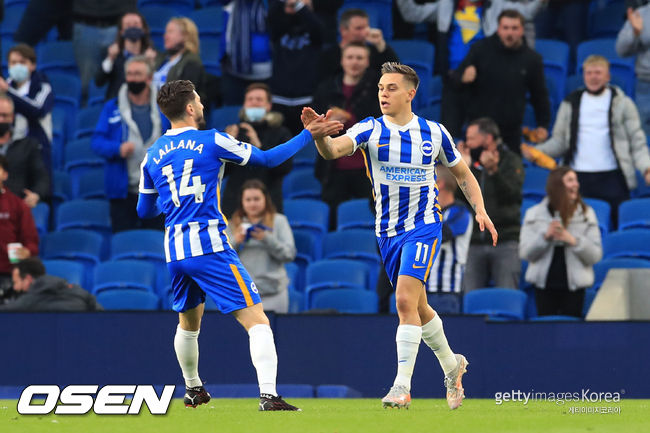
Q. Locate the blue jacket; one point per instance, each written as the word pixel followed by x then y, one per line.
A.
pixel 111 131
pixel 36 107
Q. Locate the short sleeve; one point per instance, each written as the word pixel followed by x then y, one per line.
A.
pixel 146 183
pixel 449 155
pixel 360 133
pixel 231 150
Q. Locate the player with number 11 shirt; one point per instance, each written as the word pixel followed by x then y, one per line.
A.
pixel 181 176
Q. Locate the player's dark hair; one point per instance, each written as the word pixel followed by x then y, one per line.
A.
pixel 25 51
pixel 487 126
pixel 30 266
pixel 173 97
pixel 269 208
pixel 348 14
pixel 356 45
pixel 259 86
pixel 407 72
pixel 557 195
pixel 4 164
pixel 511 13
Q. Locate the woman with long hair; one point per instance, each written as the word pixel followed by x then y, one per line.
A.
pixel 133 39
pixel 264 241
pixel 561 240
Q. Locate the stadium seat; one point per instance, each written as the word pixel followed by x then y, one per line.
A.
pixel 306 214
pixel 293 272
pixel 84 214
pixel 420 55
pixel 61 127
pixel 634 243
pixel 61 187
pixel 355 244
pixel 57 57
pixel 224 116
pixel 41 215
pixel 497 303
pixel 72 272
pixel 634 213
pixel 96 94
pixel 555 55
pixel 78 155
pixel 81 246
pixel 126 299
pixel 89 184
pixel 430 112
pixel 603 214
pixel 355 214
pixel 124 274
pixel 605 21
pixel 335 274
pixel 305 158
pixel 603 267
pixel 210 21
pixel 66 89
pixel 345 301
pixel 301 184
pixel 147 246
pixel 157 17
pixel 535 183
pixel 211 55
pixel 306 252
pixel 87 121
pixel 10 21
pixel 435 91
pixel 296 301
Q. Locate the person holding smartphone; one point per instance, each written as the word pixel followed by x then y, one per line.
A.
pixel 264 241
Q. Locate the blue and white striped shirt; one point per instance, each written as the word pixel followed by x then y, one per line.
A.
pixel 400 162
pixel 185 167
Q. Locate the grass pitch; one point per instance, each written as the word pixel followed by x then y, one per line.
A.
pixel 344 415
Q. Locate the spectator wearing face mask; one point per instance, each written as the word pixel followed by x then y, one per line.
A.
pixel 264 129
pixel 127 127
pixel 33 99
pixel 133 39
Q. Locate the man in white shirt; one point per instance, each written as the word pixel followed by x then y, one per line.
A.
pixel 598 133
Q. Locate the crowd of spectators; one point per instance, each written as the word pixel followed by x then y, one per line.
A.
pixel 281 55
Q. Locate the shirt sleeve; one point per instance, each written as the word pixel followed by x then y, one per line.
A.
pixel 146 183
pixel 360 133
pixel 230 149
pixel 448 155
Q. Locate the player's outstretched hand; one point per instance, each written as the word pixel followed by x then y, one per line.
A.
pixel 484 222
pixel 307 116
pixel 322 127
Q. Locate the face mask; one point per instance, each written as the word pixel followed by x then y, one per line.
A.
pixel 255 114
pixel 19 72
pixel 176 49
pixel 133 34
pixel 4 128
pixel 476 153
pixel 136 87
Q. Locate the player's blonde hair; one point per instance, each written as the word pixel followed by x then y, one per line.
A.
pixel 406 71
pixel 190 32
pixel 595 59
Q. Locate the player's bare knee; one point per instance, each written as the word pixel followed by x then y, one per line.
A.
pixel 406 303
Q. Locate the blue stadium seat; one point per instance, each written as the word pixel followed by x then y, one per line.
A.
pixel 603 214
pixel 210 22
pixel 306 252
pixel 87 121
pixel 71 271
pixel 435 91
pixel 355 214
pixel 88 184
pixel 430 112
pixel 96 94
pixel 420 55
pixel 535 182
pixel 335 274
pixel 224 116
pixel 5 46
pixel 10 21
pixel 355 244
pixel 61 188
pixel 41 215
pixel 293 272
pixel 555 55
pixel 157 17
pixel 211 55
pixel 345 301
pixel 81 246
pixel 124 274
pixel 605 21
pixel 634 243
pixel 57 57
pixel 126 299
pixel 79 155
pixel 306 214
pixel 301 184
pixel 296 301
pixel 84 214
pixel 634 213
pixel 147 246
pixel 305 158
pixel 603 267
pixel 66 89
pixel 497 303
pixel 555 319
pixel 61 127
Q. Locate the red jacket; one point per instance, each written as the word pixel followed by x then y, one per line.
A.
pixel 16 225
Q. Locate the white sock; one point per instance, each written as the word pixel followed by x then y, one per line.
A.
pixel 434 336
pixel 264 357
pixel 408 341
pixel 186 345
